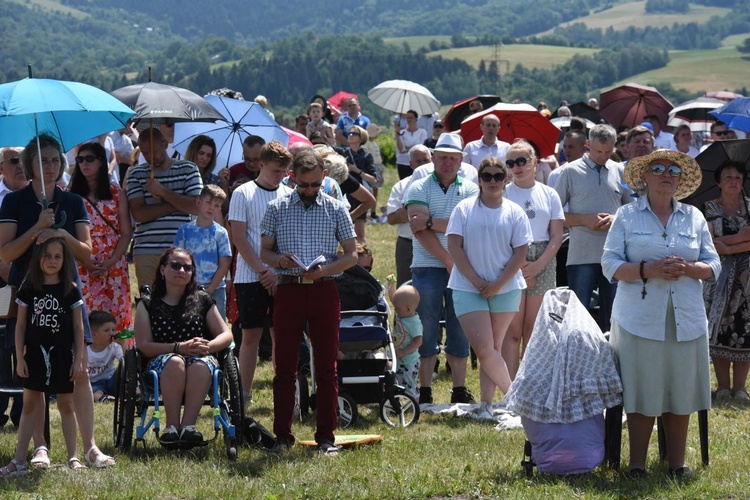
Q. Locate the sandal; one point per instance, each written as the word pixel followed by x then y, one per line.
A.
pixel 75 465
pixel 40 462
pixel 100 459
pixel 18 469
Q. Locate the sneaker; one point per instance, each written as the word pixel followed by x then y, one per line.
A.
pixel 741 395
pixel 484 412
pixel 170 435
pixel 281 447
pixel 723 394
pixel 328 449
pixel 462 395
pixel 425 395
pixel 190 435
pixel 681 473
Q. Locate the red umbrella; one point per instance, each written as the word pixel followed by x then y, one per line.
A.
pixel 724 95
pixel 517 121
pixel 460 110
pixel 336 100
pixel 631 103
pixel 295 137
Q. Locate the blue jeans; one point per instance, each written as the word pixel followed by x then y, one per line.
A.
pixel 432 285
pixel 583 279
pixel 220 297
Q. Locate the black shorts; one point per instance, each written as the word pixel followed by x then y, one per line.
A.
pixel 58 360
pixel 254 305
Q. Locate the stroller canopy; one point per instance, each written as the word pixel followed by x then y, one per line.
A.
pixel 568 372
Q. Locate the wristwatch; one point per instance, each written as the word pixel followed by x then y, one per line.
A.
pixel 428 224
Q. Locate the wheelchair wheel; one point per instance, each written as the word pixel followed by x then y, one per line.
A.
pixel 348 412
pixel 124 410
pixel 399 410
pixel 231 394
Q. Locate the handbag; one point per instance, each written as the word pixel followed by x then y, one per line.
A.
pixel 8 306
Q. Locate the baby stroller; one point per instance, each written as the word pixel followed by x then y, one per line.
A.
pixel 367 374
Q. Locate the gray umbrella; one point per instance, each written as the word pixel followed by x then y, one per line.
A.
pixel 161 103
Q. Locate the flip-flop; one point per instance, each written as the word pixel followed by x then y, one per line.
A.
pixel 18 469
pixel 42 462
pixel 100 461
pixel 75 465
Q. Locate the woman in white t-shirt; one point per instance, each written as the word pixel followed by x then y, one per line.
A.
pixel 487 239
pixel 545 212
pixel 405 139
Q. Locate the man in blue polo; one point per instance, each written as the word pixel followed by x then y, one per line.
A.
pixel 429 203
pixel 346 121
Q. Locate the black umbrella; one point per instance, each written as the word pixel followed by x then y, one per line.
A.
pixel 161 103
pixel 460 110
pixel 583 110
pixel 710 160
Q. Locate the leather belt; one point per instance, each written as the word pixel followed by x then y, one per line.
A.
pixel 285 279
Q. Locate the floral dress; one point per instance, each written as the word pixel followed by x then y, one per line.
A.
pixel 109 293
pixel 728 298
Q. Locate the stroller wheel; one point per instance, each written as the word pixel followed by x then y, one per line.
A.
pixel 399 410
pixel 348 412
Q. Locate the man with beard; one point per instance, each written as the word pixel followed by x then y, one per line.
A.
pixel 304 226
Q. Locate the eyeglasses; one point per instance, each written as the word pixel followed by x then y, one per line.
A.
pixel 250 160
pixel 722 133
pixel 305 185
pixel 497 177
pixel 176 266
pixel 659 169
pixel 438 125
pixel 518 162
pixel 12 161
pixel 355 133
pixel 86 159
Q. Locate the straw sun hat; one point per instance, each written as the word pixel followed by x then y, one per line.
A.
pixel 689 180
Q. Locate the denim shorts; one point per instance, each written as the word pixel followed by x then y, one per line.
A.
pixel 434 298
pixel 468 302
pixel 159 362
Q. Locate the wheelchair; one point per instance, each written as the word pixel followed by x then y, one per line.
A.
pixel 138 391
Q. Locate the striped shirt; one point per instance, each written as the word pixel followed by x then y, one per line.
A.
pixel 310 231
pixel 249 204
pixel 182 177
pixel 428 192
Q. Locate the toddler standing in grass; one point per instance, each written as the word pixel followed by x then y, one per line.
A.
pixel 407 334
pixel 208 241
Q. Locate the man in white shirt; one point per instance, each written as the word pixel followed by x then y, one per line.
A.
pixel 661 140
pixel 489 144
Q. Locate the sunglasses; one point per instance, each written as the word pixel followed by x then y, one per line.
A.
pixel 12 161
pixel 355 133
pixel 518 162
pixel 722 133
pixel 497 177
pixel 438 126
pixel 659 169
pixel 86 159
pixel 305 185
pixel 176 266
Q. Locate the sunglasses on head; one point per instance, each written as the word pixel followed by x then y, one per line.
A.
pixel 497 177
pixel 13 161
pixel 518 162
pixel 305 185
pixel 659 169
pixel 86 159
pixel 176 266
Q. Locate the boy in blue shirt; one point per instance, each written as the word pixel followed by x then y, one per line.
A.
pixel 208 241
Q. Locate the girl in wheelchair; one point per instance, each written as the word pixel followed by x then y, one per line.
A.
pixel 178 329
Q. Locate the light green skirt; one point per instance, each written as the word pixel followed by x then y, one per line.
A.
pixel 662 376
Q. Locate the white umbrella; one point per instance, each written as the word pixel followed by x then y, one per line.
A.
pixel 562 122
pixel 695 114
pixel 401 96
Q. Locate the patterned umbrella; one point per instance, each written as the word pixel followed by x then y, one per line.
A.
pixel 695 114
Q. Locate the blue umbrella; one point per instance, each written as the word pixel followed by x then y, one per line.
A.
pixel 71 112
pixel 736 114
pixel 243 118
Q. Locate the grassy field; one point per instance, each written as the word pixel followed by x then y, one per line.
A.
pixel 530 56
pixel 696 70
pixel 440 457
pixel 627 14
pixel 52 6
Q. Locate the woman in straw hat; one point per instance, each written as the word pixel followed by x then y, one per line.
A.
pixel 660 251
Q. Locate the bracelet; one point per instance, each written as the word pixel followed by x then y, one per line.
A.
pixel 176 349
pixel 643 278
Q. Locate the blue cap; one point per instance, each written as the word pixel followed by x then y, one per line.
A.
pixel 648 126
